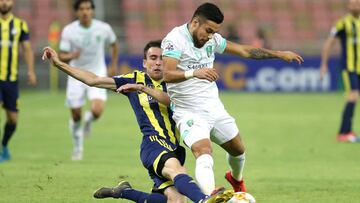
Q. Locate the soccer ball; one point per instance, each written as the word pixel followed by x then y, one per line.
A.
pixel 241 197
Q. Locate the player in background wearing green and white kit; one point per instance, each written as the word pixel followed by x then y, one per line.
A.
pixel 83 45
pixel 188 55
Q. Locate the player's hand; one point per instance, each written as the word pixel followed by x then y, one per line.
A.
pixel 208 74
pixel 51 55
pixel 323 71
pixel 129 88
pixel 32 78
pixel 290 56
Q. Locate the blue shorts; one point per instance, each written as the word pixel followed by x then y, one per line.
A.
pixel 155 151
pixel 351 80
pixel 9 94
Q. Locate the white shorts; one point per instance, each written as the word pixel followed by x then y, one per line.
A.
pixel 216 125
pixel 76 92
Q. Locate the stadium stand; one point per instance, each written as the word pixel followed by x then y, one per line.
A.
pixel 293 24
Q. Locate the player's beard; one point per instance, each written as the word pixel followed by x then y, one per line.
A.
pixel 197 42
pixel 5 10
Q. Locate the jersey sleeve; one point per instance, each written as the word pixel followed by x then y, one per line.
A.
pixel 110 35
pixel 124 79
pixel 220 43
pixel 337 28
pixel 65 42
pixel 24 31
pixel 171 47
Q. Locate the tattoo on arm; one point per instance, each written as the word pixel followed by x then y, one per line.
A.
pixel 259 53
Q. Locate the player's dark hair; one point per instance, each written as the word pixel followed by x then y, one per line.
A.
pixel 209 11
pixel 153 43
pixel 79 2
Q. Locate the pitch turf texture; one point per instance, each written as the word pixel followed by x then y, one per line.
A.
pixel 292 154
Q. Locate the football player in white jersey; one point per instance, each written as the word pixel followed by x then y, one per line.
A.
pixel 83 45
pixel 188 55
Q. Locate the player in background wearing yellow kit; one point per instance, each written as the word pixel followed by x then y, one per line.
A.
pixel 347 29
pixel 14 32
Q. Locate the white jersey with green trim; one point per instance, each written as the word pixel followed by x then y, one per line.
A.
pixel 192 93
pixel 90 42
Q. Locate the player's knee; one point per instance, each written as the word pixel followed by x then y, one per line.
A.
pixel 76 117
pixel 97 114
pixel 201 151
pixel 12 120
pixel 353 96
pixel 201 147
pixel 97 111
pixel 234 147
pixel 173 168
pixel 237 150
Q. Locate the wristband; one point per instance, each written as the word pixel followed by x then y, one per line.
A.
pixel 189 74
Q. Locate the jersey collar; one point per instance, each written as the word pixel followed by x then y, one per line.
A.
pixel 11 16
pixel 188 32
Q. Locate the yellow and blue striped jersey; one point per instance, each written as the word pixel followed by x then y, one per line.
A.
pixel 13 30
pixel 348 30
pixel 153 117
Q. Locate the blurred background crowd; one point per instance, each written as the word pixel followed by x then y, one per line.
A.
pixel 299 25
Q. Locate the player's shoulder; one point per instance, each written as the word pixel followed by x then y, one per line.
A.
pixel 100 24
pixel 18 18
pixel 178 36
pixel 72 26
pixel 177 32
pixel 139 72
pixel 130 74
pixel 344 18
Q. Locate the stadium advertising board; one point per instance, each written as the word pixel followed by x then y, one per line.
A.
pixel 263 75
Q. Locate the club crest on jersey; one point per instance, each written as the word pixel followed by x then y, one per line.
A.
pixel 14 31
pixel 98 38
pixel 209 51
pixel 169 47
pixel 150 98
pixel 190 122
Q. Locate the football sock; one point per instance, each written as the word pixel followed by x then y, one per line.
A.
pixel 204 173
pixel 236 164
pixel 347 116
pixel 89 116
pixel 142 197
pixel 9 130
pixel 76 132
pixel 155 198
pixel 187 186
pixel 88 119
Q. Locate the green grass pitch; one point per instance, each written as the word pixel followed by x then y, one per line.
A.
pixel 292 154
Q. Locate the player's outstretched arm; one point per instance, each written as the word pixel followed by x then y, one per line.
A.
pixel 84 76
pixel 174 75
pixel 159 95
pixel 329 43
pixel 247 51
